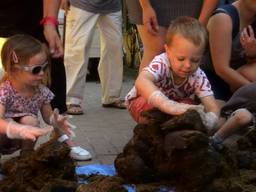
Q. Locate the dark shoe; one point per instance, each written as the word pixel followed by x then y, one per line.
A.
pixel 119 104
pixel 74 109
pixel 217 146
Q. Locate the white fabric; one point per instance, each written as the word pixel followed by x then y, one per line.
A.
pixel 80 26
pixel 130 95
pixel 159 100
pixel 196 84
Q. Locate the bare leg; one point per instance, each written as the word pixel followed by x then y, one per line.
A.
pixel 240 119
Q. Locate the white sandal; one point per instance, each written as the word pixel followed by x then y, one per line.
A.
pixel 78 153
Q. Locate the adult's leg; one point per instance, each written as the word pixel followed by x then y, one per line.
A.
pixel 111 58
pixel 58 84
pixel 152 44
pixel 80 25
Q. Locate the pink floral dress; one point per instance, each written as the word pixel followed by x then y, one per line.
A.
pixel 17 105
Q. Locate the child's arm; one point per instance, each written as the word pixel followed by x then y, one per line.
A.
pixel 147 89
pixel 15 130
pixel 46 112
pixel 144 84
pixel 210 104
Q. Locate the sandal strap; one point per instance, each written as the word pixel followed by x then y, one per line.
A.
pixel 119 103
pixel 74 105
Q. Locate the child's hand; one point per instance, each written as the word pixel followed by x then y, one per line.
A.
pixel 60 122
pixel 19 131
pixel 209 119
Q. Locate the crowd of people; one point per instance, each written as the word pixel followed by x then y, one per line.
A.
pixel 197 55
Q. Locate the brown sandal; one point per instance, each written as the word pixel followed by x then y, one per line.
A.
pixel 119 104
pixel 74 109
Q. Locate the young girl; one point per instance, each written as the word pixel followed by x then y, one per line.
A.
pixel 174 78
pixel 23 95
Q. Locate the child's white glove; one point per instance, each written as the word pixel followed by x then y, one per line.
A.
pixel 61 123
pixel 209 119
pixel 19 131
pixel 159 100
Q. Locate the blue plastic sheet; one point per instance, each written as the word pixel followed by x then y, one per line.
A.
pixel 109 170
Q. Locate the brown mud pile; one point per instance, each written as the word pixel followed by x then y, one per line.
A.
pixel 177 150
pixel 173 152
pixel 48 169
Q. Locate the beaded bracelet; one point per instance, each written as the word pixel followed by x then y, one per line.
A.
pixel 49 20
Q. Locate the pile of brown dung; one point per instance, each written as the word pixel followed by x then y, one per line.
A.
pixel 48 169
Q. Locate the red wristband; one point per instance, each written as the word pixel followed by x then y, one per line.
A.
pixel 49 20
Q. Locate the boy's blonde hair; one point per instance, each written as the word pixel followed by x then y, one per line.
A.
pixel 190 29
pixel 18 49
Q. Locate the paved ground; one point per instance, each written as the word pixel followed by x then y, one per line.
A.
pixel 103 131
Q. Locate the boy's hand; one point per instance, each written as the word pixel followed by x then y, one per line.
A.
pixel 209 119
pixel 19 131
pixel 60 122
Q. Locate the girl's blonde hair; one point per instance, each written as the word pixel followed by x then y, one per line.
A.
pixel 18 49
pixel 190 29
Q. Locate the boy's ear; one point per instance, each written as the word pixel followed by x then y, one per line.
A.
pixel 166 47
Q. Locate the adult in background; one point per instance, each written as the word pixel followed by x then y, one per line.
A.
pixel 152 18
pixel 82 19
pixel 230 62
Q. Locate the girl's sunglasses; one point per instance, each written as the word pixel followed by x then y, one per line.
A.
pixel 35 70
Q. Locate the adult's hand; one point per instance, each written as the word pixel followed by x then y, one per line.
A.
pixel 150 20
pixel 248 41
pixel 53 39
pixel 65 5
